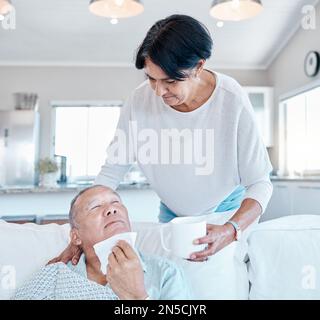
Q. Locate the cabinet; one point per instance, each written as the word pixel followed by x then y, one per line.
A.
pixel 280 202
pixel 262 101
pixel 306 198
pixel 292 198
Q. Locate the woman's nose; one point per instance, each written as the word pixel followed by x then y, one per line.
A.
pixel 160 90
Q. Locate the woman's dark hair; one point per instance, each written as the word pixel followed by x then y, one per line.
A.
pixel 175 44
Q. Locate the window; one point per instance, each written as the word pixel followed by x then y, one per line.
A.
pixel 82 134
pixel 300 132
pixel 262 99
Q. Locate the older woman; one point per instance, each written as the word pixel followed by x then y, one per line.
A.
pixel 185 104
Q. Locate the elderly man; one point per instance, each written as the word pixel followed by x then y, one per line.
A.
pixel 96 214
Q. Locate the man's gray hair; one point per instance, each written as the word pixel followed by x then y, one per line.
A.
pixel 73 208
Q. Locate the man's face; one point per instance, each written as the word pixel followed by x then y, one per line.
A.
pixel 100 215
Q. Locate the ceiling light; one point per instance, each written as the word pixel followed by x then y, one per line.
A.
pixel 220 24
pixel 235 10
pixel 114 21
pixel 116 8
pixel 5 8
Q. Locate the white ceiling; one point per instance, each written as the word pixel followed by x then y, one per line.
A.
pixel 64 32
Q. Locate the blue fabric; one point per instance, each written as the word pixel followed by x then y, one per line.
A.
pixel 57 282
pixel 232 202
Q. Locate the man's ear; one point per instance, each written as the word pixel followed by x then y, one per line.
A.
pixel 75 238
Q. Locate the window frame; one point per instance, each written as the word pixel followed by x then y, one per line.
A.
pixel 282 121
pixel 76 103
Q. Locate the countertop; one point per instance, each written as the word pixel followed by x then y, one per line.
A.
pixel 123 186
pixel 296 178
pixel 67 188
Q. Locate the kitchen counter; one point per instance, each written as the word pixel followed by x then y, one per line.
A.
pixel 123 186
pixel 296 178
pixel 67 187
pixel 141 201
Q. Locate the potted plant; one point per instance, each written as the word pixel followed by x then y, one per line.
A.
pixel 48 169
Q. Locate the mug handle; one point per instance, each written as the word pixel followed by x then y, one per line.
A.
pixel 162 239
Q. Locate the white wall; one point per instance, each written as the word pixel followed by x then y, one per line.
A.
pixel 249 77
pixel 83 83
pixel 64 83
pixel 287 72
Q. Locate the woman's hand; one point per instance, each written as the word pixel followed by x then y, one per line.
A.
pixel 71 253
pixel 125 273
pixel 217 238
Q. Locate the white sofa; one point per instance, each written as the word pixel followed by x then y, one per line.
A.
pixel 277 259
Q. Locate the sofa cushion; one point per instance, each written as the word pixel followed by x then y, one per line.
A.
pixel 24 249
pixel 284 258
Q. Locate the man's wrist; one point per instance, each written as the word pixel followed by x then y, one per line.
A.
pixel 143 296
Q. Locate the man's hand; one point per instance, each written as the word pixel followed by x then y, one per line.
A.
pixel 125 273
pixel 71 253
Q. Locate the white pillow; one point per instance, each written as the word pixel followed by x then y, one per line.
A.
pixel 24 249
pixel 284 258
pixel 29 247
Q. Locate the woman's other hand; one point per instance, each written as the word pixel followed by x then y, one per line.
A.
pixel 71 253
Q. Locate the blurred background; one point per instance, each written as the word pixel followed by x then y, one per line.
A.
pixel 65 72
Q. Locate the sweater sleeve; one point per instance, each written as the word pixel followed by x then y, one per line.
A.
pixel 120 152
pixel 253 160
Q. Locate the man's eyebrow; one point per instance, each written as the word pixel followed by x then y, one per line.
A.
pixel 96 199
pixel 155 79
pixel 91 202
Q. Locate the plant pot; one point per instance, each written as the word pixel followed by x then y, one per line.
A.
pixel 48 180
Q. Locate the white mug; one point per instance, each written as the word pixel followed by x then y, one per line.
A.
pixel 184 230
